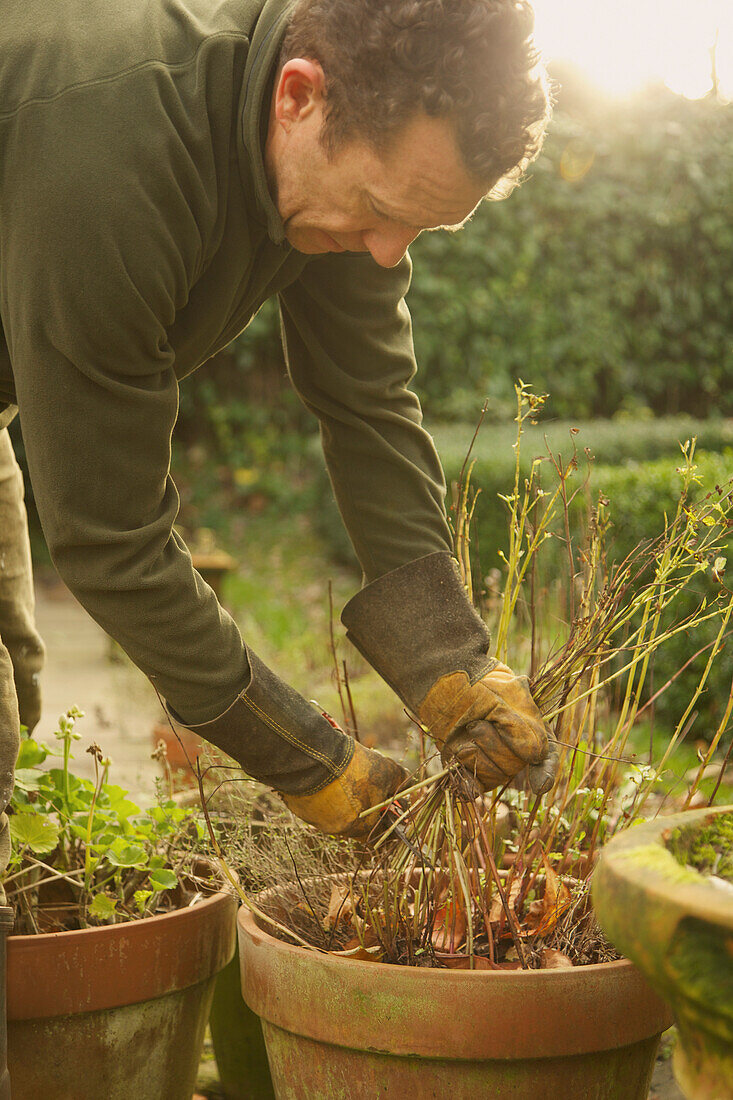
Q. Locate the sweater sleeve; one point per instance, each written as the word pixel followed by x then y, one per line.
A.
pixel 348 345
pixel 98 250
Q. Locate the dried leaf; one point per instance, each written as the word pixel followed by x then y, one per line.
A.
pixel 449 929
pixel 554 960
pixel 544 913
pixel 340 910
pixel 368 939
pixel 359 952
pixel 496 911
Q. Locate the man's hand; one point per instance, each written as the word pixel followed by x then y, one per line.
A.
pixel 417 628
pixel 492 727
pixel 369 780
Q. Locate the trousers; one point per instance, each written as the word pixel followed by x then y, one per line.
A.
pixel 21 648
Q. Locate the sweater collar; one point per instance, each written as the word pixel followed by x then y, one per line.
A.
pixel 254 113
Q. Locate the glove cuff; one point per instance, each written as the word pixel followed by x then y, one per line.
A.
pixel 416 624
pixel 277 737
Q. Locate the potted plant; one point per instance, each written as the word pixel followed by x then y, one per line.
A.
pixel 453 962
pixel 664 894
pixel 121 927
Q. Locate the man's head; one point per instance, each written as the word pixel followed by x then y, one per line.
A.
pixel 394 116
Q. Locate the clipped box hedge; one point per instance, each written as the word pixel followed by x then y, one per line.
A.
pixel 619 449
pixel 635 468
pixel 633 464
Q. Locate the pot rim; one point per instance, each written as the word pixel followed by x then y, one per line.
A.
pixel 410 1011
pixel 91 969
pixel 692 896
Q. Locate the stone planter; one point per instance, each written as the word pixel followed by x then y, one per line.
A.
pixel 118 1011
pixel 677 926
pixel 343 1028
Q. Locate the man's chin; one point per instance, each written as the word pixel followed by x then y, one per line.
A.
pixel 312 242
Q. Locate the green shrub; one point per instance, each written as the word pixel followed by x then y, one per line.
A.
pixel 634 465
pixel 606 278
pixel 641 494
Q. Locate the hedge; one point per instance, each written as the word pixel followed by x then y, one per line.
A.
pixel 640 493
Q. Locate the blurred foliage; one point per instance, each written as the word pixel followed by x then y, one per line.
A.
pixel 622 450
pixel 605 280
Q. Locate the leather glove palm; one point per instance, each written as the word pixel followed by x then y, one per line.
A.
pixel 492 727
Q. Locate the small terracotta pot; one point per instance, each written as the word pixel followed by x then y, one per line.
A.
pixel 678 928
pixel 338 1027
pixel 119 1011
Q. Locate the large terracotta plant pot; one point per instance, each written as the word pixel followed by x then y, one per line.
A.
pixel 116 1012
pixel 677 926
pixel 343 1028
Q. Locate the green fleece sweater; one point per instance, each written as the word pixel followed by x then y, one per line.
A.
pixel 137 238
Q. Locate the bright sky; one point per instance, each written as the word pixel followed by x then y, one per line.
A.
pixel 622 45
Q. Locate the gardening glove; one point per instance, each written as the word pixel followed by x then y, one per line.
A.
pixel 17 605
pixel 324 776
pixel 417 628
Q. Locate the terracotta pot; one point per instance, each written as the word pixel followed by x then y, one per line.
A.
pixel 239 1046
pixel 678 928
pixel 343 1028
pixel 119 1011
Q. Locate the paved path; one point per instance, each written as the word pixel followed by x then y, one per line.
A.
pixel 85 669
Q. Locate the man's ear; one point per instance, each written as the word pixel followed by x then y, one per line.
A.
pixel 301 89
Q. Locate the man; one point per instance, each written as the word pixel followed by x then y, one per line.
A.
pixel 164 168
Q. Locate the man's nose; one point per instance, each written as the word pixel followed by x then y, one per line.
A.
pixel 388 245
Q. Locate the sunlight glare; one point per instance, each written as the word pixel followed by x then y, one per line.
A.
pixel 624 45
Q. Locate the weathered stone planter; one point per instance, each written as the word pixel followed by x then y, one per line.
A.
pixel 677 927
pixel 343 1028
pixel 119 1011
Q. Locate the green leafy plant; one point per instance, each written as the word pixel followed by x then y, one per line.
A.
pixel 83 853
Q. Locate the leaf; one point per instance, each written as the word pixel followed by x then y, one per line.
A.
pixel 368 951
pixel 496 910
pixel 116 799
pixel 163 879
pixel 103 907
pixel 34 830
pixel 31 754
pixel 544 914
pixel 340 909
pixel 463 962
pixel 28 779
pixel 140 898
pixel 122 854
pixel 554 960
pixel 449 929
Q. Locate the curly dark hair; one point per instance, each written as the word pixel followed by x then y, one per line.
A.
pixel 471 61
